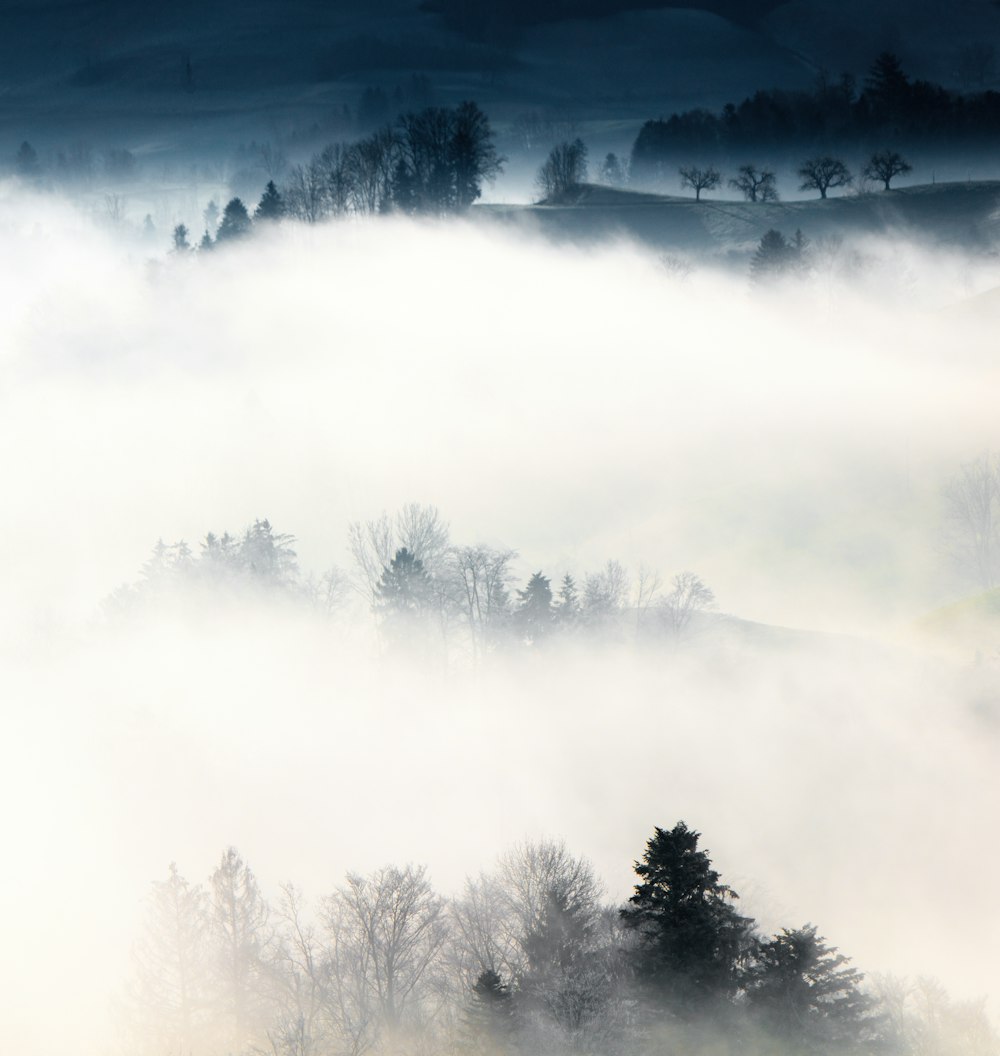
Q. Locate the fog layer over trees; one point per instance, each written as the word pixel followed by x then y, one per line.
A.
pixel 811 457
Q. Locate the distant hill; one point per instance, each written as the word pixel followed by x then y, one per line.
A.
pixel 959 213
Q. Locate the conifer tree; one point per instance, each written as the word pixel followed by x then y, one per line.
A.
pixel 690 942
pixel 271 205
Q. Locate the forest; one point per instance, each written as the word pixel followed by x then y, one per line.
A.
pixel 889 108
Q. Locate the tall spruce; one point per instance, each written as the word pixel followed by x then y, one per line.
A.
pixel 690 943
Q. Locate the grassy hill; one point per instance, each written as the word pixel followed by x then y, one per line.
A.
pixel 966 214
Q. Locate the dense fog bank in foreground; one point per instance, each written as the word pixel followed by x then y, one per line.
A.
pixel 791 446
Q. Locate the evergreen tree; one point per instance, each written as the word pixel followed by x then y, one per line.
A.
pixel 690 942
pixel 271 205
pixel 803 992
pixel 567 608
pixel 534 611
pixel 180 237
pixel 405 587
pixel 235 221
pixel 488 1020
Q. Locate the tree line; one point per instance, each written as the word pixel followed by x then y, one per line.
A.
pixel 426 594
pixel 530 958
pixel 890 107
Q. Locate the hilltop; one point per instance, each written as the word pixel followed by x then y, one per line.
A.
pixel 966 214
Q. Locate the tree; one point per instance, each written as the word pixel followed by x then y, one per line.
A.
pixel 242 940
pixel 483 576
pixel 472 154
pixel 756 185
pixel 884 165
pixel 404 588
pixel 300 969
pixel 211 217
pixel 415 527
pixel 268 556
pixel 533 614
pixel 171 990
pixel 271 205
pixel 972 511
pixel 235 222
pixel 604 593
pixel 489 1022
pixel 823 172
pixel 564 169
pixel 699 179
pixel 566 611
pixel 390 929
pixel 688 597
pixel 690 942
pixel 804 993
pixel 613 171
pixel 180 239
pixel 776 257
pixel 887 87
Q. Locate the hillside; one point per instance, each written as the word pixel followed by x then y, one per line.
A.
pixel 944 213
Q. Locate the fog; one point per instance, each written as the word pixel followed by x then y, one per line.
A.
pixel 574 403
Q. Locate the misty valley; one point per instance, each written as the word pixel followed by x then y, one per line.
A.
pixel 453 487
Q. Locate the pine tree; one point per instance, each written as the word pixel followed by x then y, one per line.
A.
pixel 271 205
pixel 533 615
pixel 235 221
pixel 567 608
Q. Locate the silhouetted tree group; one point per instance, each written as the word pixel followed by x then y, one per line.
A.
pixel 528 959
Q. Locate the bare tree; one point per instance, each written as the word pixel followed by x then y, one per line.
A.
pixel 972 508
pixel 688 597
pixel 170 994
pixel 647 587
pixel 822 173
pixel 390 930
pixel 301 971
pixel 242 939
pixel 305 193
pixel 369 167
pixel 605 592
pixel 483 577
pixel 564 169
pixel 756 185
pixel 885 165
pixel 699 179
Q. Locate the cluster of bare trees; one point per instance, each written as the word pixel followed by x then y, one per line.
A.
pixel 821 173
pixel 381 963
pixel 433 161
pixel 528 959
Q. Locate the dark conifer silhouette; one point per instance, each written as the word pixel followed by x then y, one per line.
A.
pixel 271 205
pixel 235 222
pixel 689 940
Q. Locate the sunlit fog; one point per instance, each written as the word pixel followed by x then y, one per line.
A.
pixel 525 588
